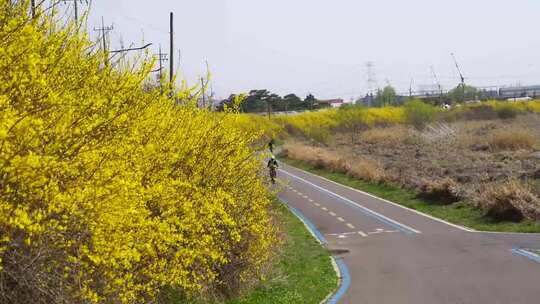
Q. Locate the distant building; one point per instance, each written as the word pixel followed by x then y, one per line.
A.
pixel 532 91
pixel 334 103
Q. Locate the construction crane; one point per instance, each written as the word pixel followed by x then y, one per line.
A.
pixel 437 81
pixel 460 75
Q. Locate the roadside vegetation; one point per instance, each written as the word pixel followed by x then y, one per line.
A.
pixel 115 188
pixel 112 192
pixel 302 272
pixel 482 157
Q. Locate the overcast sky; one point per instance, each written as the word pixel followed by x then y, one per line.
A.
pixel 321 46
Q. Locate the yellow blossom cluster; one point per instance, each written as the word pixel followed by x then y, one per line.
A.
pixel 110 192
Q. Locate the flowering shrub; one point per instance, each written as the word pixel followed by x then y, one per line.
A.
pixel 321 125
pixel 111 193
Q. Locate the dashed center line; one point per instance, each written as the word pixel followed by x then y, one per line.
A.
pixel 332 213
pixel 362 234
pixel 350 225
pixel 310 200
pixel 305 196
pixel 324 208
pixel 317 204
pixel 340 219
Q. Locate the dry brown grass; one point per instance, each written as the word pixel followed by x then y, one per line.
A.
pixel 509 201
pixel 391 136
pixel 511 140
pixel 362 168
pixel 317 157
pixel 444 191
pixel 368 170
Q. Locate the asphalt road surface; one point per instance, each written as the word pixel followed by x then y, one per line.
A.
pixel 396 255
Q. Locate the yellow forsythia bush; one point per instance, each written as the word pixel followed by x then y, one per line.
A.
pixel 258 124
pixel 111 193
pixel 320 125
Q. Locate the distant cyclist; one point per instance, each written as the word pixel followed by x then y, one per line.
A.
pixel 271 145
pixel 273 166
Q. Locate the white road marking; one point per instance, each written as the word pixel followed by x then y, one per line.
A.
pixel 299 193
pixel 324 208
pixel 341 236
pixel 343 233
pixel 305 196
pixel 350 225
pixel 361 233
pixel 340 219
pixel 317 204
pixel 366 210
pixel 332 213
pixel 310 200
pixel 412 210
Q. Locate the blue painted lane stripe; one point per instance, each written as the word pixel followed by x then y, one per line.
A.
pixel 381 218
pixel 526 253
pixel 345 282
pixel 318 235
pixel 344 271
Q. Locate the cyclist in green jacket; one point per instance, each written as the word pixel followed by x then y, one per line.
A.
pixel 273 166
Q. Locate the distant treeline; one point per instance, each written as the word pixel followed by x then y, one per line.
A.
pixel 263 100
pixel 257 101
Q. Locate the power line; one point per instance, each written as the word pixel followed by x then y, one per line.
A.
pixel 104 31
pixel 75 7
pixel 131 49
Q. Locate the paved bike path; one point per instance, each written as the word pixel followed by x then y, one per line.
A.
pixel 396 255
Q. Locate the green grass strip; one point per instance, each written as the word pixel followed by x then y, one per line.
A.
pixel 304 272
pixel 460 213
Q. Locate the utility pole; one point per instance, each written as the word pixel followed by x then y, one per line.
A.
pixel 76 8
pixel 211 97
pixel 204 83
pixel 203 92
pixel 161 58
pixel 33 8
pixel 104 31
pixel 171 58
